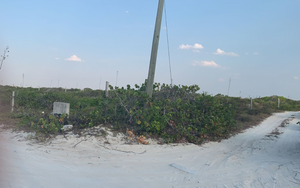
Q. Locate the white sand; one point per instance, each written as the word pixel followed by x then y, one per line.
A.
pixel 250 159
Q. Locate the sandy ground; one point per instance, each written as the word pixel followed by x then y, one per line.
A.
pixel 255 158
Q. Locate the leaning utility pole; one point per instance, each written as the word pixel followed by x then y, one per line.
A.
pixel 155 42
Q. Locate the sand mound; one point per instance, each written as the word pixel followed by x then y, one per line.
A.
pixel 264 156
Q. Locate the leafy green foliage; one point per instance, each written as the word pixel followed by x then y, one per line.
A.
pixel 177 113
pixel 50 124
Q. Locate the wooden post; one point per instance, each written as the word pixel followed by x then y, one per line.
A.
pixel 278 104
pixel 251 103
pixel 155 42
pixel 13 101
pixel 106 89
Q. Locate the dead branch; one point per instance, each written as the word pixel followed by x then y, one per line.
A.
pixel 121 102
pixel 79 143
pixel 121 150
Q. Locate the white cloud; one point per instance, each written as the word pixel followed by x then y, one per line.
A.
pixel 185 47
pixel 255 53
pixel 296 78
pixel 221 52
pixel 196 46
pixel 221 80
pixel 74 58
pixel 57 58
pixel 206 64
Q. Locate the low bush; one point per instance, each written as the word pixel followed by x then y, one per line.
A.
pixel 177 113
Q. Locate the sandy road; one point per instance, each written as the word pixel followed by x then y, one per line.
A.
pixel 254 158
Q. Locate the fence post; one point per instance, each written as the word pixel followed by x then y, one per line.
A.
pixel 251 103
pixel 13 101
pixel 278 103
pixel 106 89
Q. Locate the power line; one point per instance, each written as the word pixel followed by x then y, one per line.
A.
pixel 23 80
pixel 229 86
pixel 168 45
pixel 100 83
pixel 117 79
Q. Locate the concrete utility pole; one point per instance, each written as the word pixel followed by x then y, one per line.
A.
pixel 155 42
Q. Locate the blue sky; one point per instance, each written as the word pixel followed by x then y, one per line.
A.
pixel 75 43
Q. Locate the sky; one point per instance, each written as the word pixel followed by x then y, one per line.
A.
pixel 240 48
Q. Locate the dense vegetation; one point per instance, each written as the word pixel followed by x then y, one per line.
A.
pixel 176 114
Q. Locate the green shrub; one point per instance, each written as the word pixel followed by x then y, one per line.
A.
pixel 174 113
